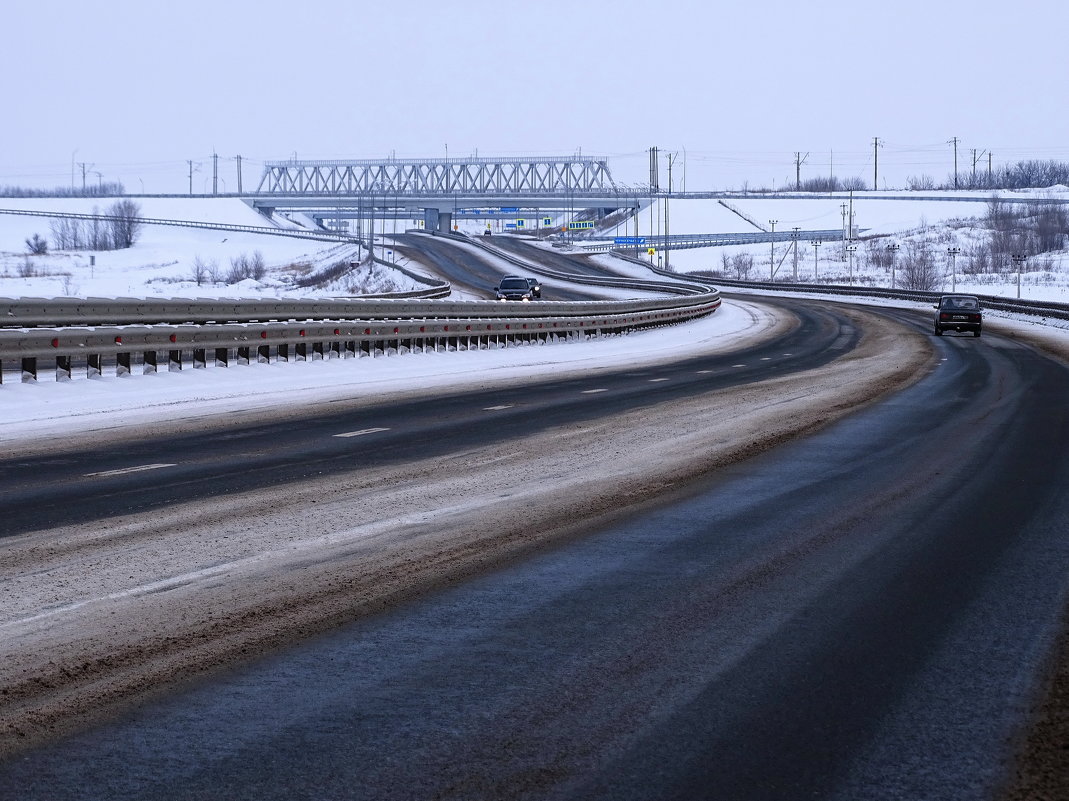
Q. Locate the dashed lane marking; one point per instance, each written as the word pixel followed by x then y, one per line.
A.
pixel 498 408
pixel 361 432
pixel 592 391
pixel 655 380
pixel 125 470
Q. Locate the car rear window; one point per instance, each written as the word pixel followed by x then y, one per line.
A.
pixel 513 283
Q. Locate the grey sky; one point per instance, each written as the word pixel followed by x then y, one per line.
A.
pixel 138 88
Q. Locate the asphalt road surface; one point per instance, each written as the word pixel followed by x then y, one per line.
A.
pixel 861 613
pixel 466 270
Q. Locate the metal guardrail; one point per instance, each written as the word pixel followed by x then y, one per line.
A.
pixel 687 241
pixel 1036 308
pixel 323 339
pixel 308 329
pixel 679 286
pixel 324 236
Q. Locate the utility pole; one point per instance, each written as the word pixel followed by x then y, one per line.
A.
pixel 796 229
pixel 190 163
pixel 954 142
pixel 976 158
pixel 842 208
pixel 215 173
pixel 85 169
pixel 989 178
pixel 772 254
pixel 876 145
pixel 952 253
pixel 816 243
pixel 799 160
pixel 654 180
pixel 239 174
pixel 667 248
pixel 893 250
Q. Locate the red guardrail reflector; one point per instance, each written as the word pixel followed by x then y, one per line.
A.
pixel 118 340
pixel 367 331
pixel 302 332
pixel 174 337
pixel 55 343
pixel 337 331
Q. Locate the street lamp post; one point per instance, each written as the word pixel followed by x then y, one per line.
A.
pixel 952 255
pixel 772 252
pixel 893 250
pixel 1018 259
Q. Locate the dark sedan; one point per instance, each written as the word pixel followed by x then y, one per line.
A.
pixel 959 313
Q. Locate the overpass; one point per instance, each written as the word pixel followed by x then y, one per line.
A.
pixel 441 190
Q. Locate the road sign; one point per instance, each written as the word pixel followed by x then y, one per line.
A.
pixel 509 209
pixel 519 223
pixel 547 221
pixel 651 251
pixel 629 240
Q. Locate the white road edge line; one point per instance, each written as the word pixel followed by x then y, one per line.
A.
pixel 123 471
pixel 361 432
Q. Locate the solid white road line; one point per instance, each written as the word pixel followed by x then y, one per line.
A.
pixel 126 470
pixel 361 432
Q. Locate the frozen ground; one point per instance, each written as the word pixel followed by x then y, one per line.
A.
pixel 162 262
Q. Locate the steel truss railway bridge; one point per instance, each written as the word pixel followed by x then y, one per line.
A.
pixel 442 190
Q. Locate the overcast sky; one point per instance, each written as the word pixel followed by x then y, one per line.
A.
pixel 136 89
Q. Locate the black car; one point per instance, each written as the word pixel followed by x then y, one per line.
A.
pixel 959 313
pixel 536 286
pixel 512 287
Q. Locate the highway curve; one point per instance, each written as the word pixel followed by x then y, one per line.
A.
pixel 757 575
pixel 472 271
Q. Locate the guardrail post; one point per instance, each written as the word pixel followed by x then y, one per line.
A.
pixel 263 354
pixel 222 357
pixel 148 362
pixel 302 352
pixel 174 361
pixel 335 350
pixel 92 366
pixel 29 370
pixel 317 351
pixel 122 364
pixel 283 352
pixel 200 358
pixel 243 355
pixel 350 349
pixel 63 368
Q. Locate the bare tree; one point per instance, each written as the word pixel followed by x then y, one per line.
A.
pixel 36 245
pixel 125 223
pixel 917 268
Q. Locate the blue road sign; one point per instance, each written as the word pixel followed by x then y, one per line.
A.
pixel 629 240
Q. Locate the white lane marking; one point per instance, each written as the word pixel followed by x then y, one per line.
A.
pixel 126 470
pixel 498 408
pixel 766 358
pixel 655 380
pixel 592 391
pixel 738 365
pixel 361 432
pixel 703 372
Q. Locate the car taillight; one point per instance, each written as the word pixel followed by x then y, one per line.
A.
pixel 944 316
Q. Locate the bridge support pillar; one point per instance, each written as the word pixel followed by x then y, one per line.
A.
pixel 430 219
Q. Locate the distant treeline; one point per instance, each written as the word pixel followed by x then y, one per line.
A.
pixel 100 190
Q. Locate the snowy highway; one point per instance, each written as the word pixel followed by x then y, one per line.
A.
pixel 765 573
